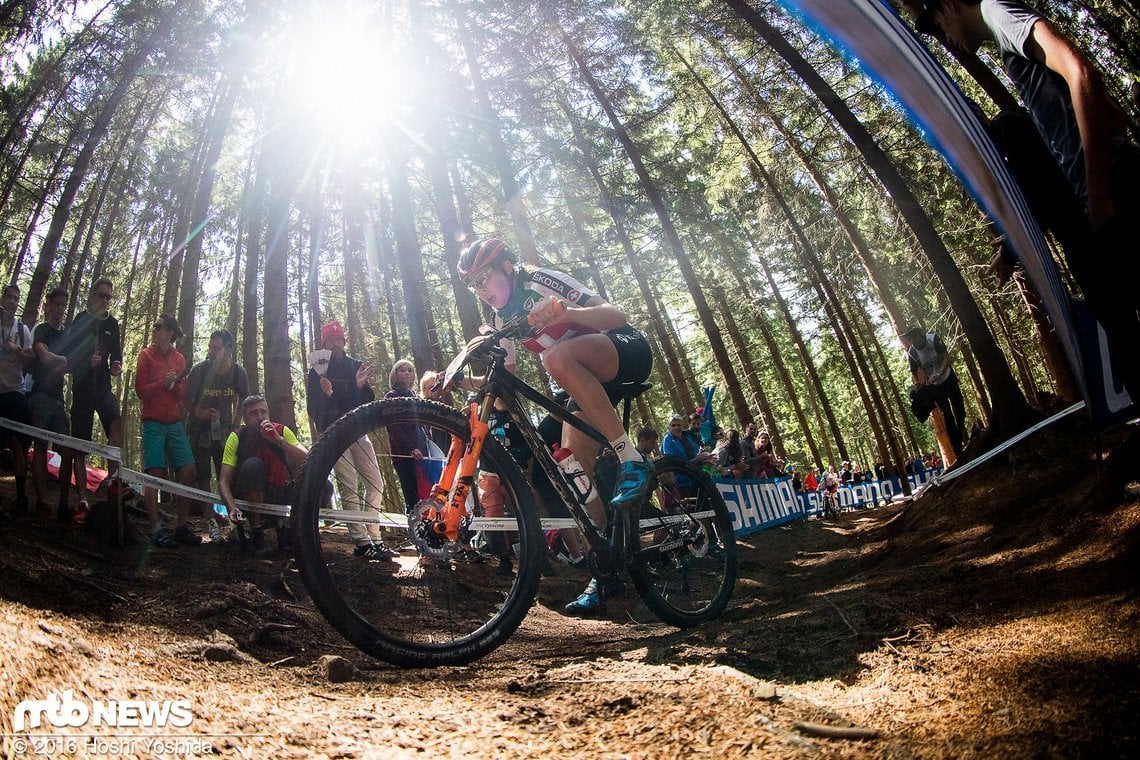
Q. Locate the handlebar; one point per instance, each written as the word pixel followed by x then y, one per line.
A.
pixel 515 327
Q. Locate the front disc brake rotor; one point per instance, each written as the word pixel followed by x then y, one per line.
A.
pixel 422 531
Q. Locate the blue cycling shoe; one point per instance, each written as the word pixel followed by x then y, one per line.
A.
pixel 589 602
pixel 635 482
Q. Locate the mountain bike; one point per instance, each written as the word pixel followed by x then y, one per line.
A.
pixel 445 600
pixel 830 505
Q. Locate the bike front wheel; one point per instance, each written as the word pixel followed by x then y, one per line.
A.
pixel 433 603
pixel 683 559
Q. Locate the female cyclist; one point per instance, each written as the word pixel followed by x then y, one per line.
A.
pixel 588 347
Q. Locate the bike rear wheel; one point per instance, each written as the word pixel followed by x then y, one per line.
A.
pixel 434 603
pixel 683 559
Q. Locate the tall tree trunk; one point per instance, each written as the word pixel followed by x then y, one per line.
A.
pixel 216 128
pixel 749 296
pixel 183 214
pixel 288 157
pixel 408 257
pixel 763 178
pixel 455 236
pixel 99 126
pixel 46 260
pixel 512 193
pixel 121 196
pixel 684 263
pixel 87 217
pixel 675 377
pixel 1051 350
pixel 251 304
pixel 30 146
pixel 1011 409
pixel 388 257
pixel 814 380
pixel 748 371
pixel 74 41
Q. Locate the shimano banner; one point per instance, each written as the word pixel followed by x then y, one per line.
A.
pixel 758 504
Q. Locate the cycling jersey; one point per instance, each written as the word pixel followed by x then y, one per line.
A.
pixel 532 285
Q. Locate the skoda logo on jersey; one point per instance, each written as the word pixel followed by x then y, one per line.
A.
pixel 531 300
pixel 574 295
pixel 548 281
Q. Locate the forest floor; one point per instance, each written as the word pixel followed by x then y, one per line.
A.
pixel 996 616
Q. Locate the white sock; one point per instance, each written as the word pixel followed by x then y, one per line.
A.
pixel 625 449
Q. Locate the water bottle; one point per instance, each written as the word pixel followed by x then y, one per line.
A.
pixel 575 474
pixel 216 430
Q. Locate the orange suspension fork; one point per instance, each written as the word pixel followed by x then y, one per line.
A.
pixel 462 460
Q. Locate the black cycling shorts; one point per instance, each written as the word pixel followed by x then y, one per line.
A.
pixel 635 362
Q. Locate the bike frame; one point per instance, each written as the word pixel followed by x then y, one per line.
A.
pixel 458 474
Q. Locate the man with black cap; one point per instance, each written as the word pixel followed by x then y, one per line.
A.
pixel 931 371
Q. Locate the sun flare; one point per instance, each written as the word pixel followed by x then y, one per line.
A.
pixel 347 77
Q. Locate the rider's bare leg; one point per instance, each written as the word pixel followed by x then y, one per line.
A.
pixel 580 365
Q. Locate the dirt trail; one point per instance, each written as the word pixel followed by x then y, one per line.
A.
pixel 995 617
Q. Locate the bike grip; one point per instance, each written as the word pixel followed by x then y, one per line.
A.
pixel 557 311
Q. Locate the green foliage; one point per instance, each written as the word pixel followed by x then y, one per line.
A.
pixel 418 105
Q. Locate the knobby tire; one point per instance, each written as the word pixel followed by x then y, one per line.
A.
pixel 683 549
pixel 412 611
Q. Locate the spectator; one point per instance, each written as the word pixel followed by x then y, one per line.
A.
pixel 694 431
pixel 438 441
pixel 748 446
pixel 15 357
pixel 94 352
pixel 214 388
pixel 934 380
pixel 811 483
pixel 408 442
pixel 767 465
pixel 730 457
pixel 845 475
pixel 343 387
pixel 678 442
pixel 647 439
pixel 160 382
pixel 258 464
pixel 46 406
pixel 1087 135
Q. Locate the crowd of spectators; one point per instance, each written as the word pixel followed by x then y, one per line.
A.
pixel 752 457
pixel 202 418
pixel 195 421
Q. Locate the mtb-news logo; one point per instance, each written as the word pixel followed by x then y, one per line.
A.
pixel 62 709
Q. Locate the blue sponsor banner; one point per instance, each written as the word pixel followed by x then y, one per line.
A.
pixel 758 504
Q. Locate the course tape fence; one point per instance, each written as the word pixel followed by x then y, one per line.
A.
pixel 142 479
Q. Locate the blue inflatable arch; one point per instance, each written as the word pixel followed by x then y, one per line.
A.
pixel 884 46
